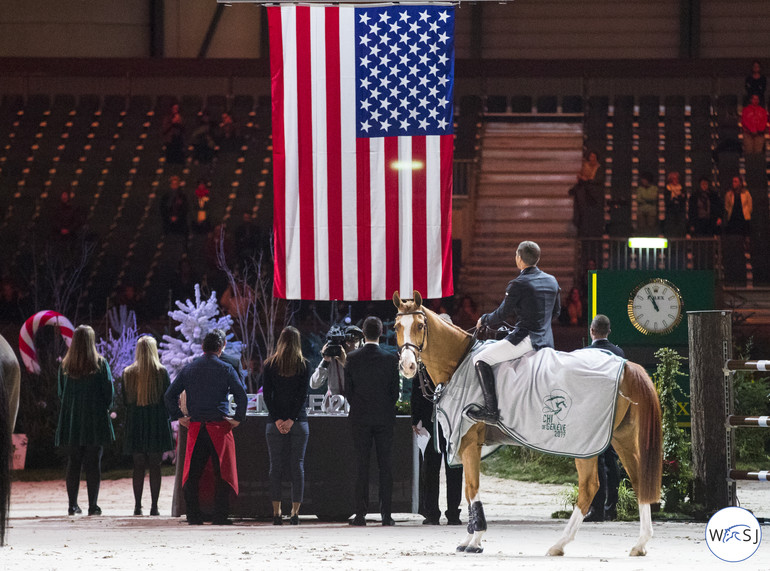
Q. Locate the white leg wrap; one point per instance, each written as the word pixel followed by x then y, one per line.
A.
pixel 569 532
pixel 645 531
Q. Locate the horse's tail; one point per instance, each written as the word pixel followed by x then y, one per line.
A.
pixel 6 454
pixel 649 432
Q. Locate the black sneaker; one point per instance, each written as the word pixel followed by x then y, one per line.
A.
pixel 431 521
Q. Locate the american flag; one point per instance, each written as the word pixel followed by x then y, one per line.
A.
pixel 362 147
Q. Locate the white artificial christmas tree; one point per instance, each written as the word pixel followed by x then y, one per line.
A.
pixel 119 351
pixel 195 320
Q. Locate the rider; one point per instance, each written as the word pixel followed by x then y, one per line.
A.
pixel 533 297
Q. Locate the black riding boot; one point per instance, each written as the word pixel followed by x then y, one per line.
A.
pixel 490 413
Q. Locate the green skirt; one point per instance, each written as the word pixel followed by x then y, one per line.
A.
pixel 147 429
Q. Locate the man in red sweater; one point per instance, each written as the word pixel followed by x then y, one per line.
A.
pixel 754 121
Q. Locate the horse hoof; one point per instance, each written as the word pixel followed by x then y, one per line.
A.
pixel 638 552
pixel 470 549
pixel 460 548
pixel 555 552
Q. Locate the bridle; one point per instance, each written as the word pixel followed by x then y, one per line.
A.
pixel 429 390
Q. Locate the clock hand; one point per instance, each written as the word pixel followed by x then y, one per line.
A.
pixel 655 305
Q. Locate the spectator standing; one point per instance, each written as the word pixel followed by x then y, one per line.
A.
pixel 575 306
pixel 147 428
pixel 706 210
pixel 588 195
pixel 430 466
pixel 68 220
pixel 173 136
pixel 756 83
pixel 604 505
pixel 207 381
pixel 202 141
pixel 284 385
pixel 754 124
pixel 647 206
pixel 675 223
pixel 85 427
pixel 738 209
pixel 202 197
pixel 174 208
pixel 372 387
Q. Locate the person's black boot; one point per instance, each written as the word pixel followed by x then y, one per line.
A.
pixel 489 414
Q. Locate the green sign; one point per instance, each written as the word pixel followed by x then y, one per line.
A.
pixel 649 307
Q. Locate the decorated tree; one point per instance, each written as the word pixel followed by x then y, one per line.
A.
pixel 119 351
pixel 196 319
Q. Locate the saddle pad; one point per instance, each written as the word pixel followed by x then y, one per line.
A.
pixel 550 401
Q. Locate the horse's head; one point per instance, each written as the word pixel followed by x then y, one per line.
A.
pixel 411 329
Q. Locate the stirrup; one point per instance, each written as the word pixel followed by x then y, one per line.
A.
pixel 483 415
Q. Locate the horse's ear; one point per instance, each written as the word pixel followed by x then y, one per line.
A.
pixel 396 300
pixel 417 299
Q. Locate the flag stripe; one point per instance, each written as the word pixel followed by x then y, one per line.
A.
pixel 351 262
pixel 333 153
pixel 447 147
pixel 364 221
pixel 321 175
pixel 305 160
pixel 279 158
pixel 392 222
pixel 406 225
pixel 419 214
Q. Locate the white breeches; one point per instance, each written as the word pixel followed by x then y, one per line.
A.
pixel 503 350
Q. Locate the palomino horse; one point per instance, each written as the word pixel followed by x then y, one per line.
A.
pixel 425 338
pixel 10 375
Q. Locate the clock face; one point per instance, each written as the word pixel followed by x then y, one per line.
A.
pixel 655 307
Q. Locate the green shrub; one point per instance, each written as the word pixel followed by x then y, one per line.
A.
pixel 677 463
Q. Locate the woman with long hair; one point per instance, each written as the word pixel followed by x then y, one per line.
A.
pixel 284 385
pixel 148 430
pixel 85 427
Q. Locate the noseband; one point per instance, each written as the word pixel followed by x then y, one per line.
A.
pixel 429 390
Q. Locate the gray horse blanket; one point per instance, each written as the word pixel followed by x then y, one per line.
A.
pixel 550 401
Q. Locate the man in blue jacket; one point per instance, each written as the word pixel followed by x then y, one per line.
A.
pixel 533 299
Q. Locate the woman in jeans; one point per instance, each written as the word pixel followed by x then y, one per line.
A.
pixel 85 427
pixel 285 380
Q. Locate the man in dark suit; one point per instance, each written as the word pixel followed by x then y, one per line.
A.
pixel 430 467
pixel 533 299
pixel 604 505
pixel 371 387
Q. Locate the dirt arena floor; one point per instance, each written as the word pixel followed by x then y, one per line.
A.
pixel 520 531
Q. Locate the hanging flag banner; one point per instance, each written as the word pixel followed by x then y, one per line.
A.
pixel 362 150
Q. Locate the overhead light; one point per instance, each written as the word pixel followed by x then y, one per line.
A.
pixel 648 243
pixel 407 165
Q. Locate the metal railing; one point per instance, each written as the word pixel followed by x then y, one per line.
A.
pixel 681 254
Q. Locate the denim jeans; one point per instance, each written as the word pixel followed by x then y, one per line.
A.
pixel 278 446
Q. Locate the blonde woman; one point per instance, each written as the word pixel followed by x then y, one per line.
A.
pixel 84 427
pixel 285 380
pixel 148 430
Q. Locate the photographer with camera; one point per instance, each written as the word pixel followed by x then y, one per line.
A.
pixel 338 344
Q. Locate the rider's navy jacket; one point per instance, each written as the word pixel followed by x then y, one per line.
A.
pixel 533 299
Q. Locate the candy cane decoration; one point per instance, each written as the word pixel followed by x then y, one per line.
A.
pixel 30 327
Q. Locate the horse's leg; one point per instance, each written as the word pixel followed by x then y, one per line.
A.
pixel 625 443
pixel 470 452
pixel 588 485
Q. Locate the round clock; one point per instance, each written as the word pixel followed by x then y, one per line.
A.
pixel 655 307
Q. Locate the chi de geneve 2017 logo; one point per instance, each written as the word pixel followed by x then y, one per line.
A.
pixel 733 534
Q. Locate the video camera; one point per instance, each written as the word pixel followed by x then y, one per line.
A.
pixel 335 337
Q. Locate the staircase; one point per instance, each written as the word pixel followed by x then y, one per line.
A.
pixel 525 173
